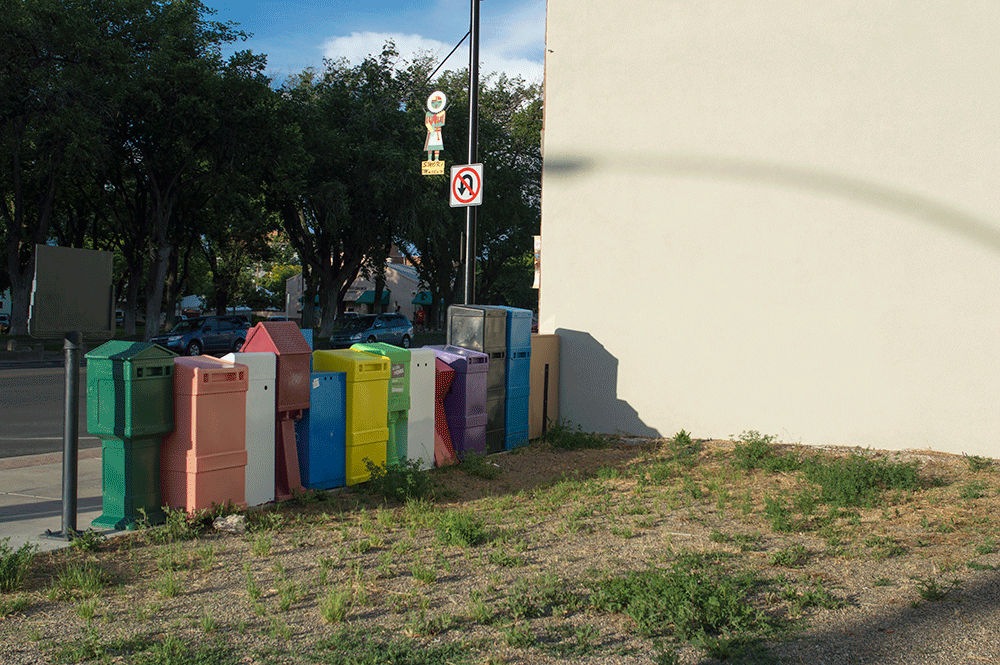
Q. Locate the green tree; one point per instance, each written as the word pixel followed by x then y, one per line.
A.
pixel 356 192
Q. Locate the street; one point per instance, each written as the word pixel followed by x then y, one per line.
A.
pixel 31 411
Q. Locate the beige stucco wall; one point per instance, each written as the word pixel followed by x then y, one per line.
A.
pixel 804 197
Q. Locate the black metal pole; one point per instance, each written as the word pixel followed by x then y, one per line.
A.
pixel 469 281
pixel 71 429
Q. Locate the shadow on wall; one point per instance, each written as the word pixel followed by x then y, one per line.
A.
pixel 588 388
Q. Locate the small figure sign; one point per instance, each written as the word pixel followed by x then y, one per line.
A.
pixel 437 104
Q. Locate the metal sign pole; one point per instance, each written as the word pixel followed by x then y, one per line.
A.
pixel 71 440
pixel 469 281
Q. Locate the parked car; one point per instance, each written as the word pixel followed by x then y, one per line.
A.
pixel 4 324
pixel 205 334
pixel 390 328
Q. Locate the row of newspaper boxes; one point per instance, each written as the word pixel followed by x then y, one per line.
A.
pixel 256 426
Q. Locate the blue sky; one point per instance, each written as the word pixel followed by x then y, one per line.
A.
pixel 296 34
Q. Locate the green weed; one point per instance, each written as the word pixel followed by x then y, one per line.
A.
pixel 400 482
pixel 18 603
pixel 977 463
pixel 793 556
pixel 88 541
pixel 423 573
pixel 562 435
pixel 362 647
pixel 857 481
pixel 14 564
pixel 78 580
pixel 754 450
pixel 690 600
pixel 479 466
pixel 972 490
pixel 462 528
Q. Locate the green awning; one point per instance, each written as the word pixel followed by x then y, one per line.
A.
pixel 368 297
pixel 423 298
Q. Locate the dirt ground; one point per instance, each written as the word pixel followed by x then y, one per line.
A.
pixel 909 578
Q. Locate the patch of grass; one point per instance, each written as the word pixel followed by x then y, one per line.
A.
pixel 681 448
pixel 357 647
pixel 172 650
pixel 930 590
pixel 545 595
pixel 753 450
pixel 179 525
pixel 884 547
pixel 972 490
pixel 988 546
pixel 423 573
pixel 793 556
pixel 977 463
pixel 14 564
pixel 691 600
pixel 168 586
pixel 462 528
pixel 88 541
pixel 505 559
pixel 976 565
pixel 747 542
pixel 563 436
pixel 857 481
pixel 78 580
pixel 479 466
pixel 400 482
pixel 519 635
pixel 18 603
pixel 335 604
pixel 810 595
pixel 262 544
pixel 253 589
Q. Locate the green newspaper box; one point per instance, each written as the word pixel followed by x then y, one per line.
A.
pixel 130 406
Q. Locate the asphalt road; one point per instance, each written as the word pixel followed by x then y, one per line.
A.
pixel 31 411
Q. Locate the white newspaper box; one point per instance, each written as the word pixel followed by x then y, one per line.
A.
pixel 420 435
pixel 260 441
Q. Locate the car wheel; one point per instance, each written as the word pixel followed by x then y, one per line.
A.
pixel 237 345
pixel 371 339
pixel 405 342
pixel 194 349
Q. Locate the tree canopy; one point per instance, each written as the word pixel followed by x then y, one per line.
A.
pixel 122 128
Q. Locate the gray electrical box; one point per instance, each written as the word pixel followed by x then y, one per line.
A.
pixel 72 292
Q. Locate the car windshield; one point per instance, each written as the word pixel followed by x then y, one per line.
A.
pixel 360 323
pixel 187 325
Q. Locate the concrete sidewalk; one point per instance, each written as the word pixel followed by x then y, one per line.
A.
pixel 31 497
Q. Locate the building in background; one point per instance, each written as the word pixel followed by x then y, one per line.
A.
pixel 400 290
pixel 805 194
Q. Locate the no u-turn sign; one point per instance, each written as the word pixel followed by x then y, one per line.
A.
pixel 466 185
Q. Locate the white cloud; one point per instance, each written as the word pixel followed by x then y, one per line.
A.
pixel 494 55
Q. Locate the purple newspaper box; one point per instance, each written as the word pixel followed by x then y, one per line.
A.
pixel 465 405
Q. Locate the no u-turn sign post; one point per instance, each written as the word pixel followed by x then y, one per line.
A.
pixel 466 187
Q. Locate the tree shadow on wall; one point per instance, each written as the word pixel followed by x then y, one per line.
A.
pixel 588 390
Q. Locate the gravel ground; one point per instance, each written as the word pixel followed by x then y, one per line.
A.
pixel 915 578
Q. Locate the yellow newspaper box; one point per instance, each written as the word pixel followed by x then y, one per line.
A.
pixel 367 399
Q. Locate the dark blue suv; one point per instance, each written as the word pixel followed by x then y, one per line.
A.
pixel 205 334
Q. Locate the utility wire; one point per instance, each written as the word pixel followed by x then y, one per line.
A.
pixel 446 57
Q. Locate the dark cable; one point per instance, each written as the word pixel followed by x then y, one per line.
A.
pixel 446 58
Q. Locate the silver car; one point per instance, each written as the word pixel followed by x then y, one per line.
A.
pixel 389 328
